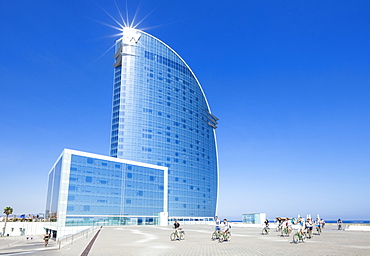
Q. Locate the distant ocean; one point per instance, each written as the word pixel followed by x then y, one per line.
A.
pixel 332 221
pixel 350 221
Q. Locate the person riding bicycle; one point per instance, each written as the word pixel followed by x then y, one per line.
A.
pixel 266 228
pixel 217 224
pixel 226 226
pixel 309 225
pixel 322 222
pixel 176 225
pixel 302 225
pixel 317 224
pixel 287 226
pixel 278 222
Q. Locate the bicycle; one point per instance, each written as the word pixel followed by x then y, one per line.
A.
pixel 286 231
pixel 224 237
pixel 308 233
pixel 278 228
pixel 318 229
pixel 265 231
pixel 177 235
pixel 216 235
pixel 299 237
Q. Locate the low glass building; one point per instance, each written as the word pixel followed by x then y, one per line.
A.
pixel 88 189
pixel 254 218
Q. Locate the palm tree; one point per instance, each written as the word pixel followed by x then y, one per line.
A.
pixel 8 210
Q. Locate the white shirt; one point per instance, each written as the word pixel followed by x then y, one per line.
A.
pixel 217 222
pixel 226 225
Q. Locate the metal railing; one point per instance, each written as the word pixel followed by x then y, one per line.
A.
pixel 69 239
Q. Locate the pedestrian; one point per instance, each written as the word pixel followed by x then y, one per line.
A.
pixel 339 223
pixel 46 239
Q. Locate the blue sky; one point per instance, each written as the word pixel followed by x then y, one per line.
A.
pixel 289 81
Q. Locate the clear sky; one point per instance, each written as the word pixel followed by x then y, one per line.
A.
pixel 289 81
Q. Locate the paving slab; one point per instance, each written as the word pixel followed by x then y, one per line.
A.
pixel 154 240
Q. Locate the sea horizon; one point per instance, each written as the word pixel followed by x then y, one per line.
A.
pixel 331 221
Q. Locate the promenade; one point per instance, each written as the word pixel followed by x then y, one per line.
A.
pixel 153 240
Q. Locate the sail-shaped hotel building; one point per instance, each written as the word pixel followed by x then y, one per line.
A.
pixel 163 158
pixel 161 116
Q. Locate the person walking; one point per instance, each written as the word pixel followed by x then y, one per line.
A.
pixel 339 223
pixel 46 239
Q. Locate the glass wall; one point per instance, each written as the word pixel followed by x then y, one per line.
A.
pixel 254 218
pixel 110 221
pixel 107 188
pixel 51 212
pixel 87 189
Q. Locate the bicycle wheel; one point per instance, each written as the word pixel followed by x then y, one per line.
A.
pixel 285 232
pixel 182 235
pixel 172 236
pixel 221 238
pixel 303 239
pixel 228 238
pixel 214 236
pixel 308 234
pixel 295 238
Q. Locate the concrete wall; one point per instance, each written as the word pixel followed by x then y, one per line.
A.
pixel 23 228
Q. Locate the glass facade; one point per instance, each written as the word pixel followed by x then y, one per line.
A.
pixel 101 190
pixel 161 116
pixel 53 191
pixel 254 218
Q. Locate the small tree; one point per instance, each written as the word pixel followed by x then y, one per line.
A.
pixel 8 210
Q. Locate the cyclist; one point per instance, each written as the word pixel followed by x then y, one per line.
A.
pixel 322 222
pixel 301 226
pixel 226 226
pixel 176 225
pixel 309 225
pixel 266 227
pixel 318 224
pixel 266 222
pixel 287 224
pixel 279 223
pixel 217 224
